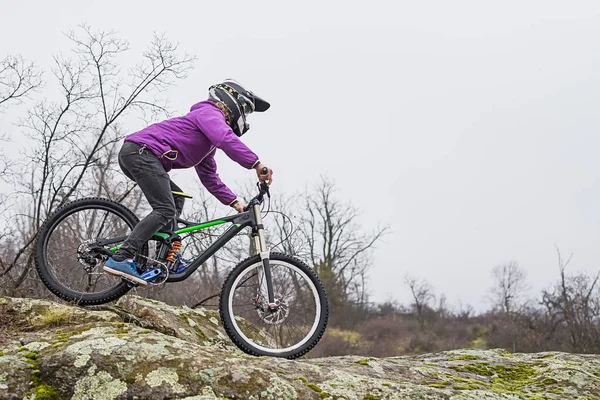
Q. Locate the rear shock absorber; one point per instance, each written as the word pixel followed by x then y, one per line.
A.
pixel 175 247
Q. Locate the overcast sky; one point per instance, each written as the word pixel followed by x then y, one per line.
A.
pixel 470 127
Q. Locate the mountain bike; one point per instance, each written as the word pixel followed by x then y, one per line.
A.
pixel 280 296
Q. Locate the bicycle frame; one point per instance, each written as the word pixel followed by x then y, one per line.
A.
pixel 239 221
pixel 251 218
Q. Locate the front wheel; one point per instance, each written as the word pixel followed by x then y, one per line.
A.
pixel 289 330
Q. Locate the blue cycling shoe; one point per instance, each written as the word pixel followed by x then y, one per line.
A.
pixel 126 269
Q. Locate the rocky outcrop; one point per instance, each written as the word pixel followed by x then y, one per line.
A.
pixel 143 349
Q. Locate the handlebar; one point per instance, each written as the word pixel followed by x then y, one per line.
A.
pixel 263 189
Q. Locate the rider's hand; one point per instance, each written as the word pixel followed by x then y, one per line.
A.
pixel 239 206
pixel 268 177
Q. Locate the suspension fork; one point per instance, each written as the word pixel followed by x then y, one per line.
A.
pixel 264 271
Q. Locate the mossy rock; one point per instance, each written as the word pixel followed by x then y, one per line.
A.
pixel 149 349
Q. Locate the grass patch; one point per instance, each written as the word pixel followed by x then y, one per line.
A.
pixel 479 343
pixel 53 317
pixel 345 335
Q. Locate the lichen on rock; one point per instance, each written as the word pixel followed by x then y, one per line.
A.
pixel 101 386
pixel 164 375
pixel 144 348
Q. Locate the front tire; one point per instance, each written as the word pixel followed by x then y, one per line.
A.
pixel 259 331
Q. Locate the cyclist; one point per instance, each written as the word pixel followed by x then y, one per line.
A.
pixel 187 141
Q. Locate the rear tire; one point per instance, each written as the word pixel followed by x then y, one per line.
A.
pixel 41 259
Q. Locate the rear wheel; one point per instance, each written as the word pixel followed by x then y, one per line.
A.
pixel 293 327
pixel 70 255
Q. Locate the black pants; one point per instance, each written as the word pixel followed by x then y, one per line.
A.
pixel 142 166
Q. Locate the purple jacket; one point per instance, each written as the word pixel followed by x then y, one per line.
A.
pixel 191 140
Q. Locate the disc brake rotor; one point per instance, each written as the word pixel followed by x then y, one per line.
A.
pixel 276 316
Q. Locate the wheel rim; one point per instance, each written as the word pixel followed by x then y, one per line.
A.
pixel 65 250
pixel 291 306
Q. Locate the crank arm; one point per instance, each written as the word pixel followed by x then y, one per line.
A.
pixel 151 274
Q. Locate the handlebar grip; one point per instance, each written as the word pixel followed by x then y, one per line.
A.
pixel 264 171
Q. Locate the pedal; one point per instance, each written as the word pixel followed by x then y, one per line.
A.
pixel 130 282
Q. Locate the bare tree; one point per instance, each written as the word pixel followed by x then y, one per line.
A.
pixel 574 302
pixel 509 286
pixel 423 296
pixel 71 136
pixel 339 249
pixel 19 78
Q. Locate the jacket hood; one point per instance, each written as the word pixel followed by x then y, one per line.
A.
pixel 199 104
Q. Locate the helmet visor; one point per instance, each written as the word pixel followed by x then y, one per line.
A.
pixel 258 104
